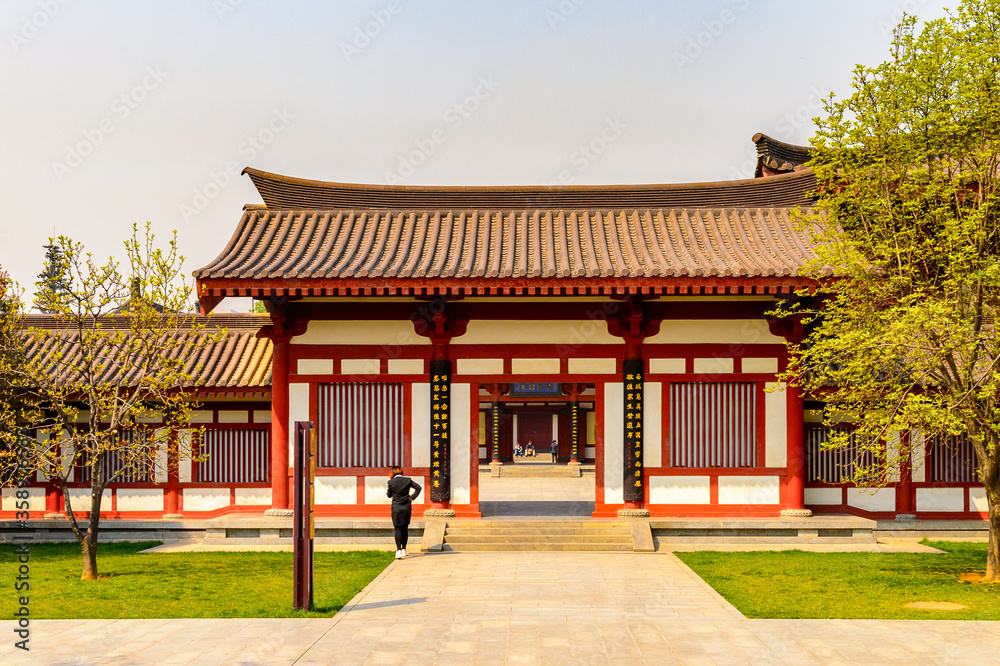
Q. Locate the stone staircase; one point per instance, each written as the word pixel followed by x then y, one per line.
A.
pixel 511 535
pixel 537 470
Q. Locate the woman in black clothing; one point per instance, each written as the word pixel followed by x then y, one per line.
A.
pixel 399 491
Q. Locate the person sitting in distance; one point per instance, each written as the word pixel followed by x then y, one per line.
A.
pixel 518 449
pixel 530 451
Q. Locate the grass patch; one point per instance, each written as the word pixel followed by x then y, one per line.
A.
pixel 797 584
pixel 171 585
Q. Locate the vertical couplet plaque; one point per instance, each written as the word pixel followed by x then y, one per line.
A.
pixel 496 431
pixel 303 516
pixel 574 424
pixel 632 372
pixel 440 431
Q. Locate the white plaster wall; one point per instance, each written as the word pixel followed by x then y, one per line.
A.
pixel 590 452
pixel 534 366
pixel 253 496
pixel 667 366
pixel 336 490
pixel 679 490
pixel 234 416
pixel 613 423
pixel 184 464
pixel 315 366
pixel 420 425
pixel 140 499
pixel 36 499
pixel 298 410
pixel 824 496
pixel 360 366
pixel 941 499
pixel 872 499
pixel 205 499
pixel 652 421
pixel 406 366
pixel 80 499
pixel 713 366
pixel 201 416
pixel 360 333
pixel 775 425
pixel 555 433
pixel 764 366
pixel 541 332
pixel 461 444
pixel 479 366
pixel 978 501
pixel 375 489
pixel 262 416
pixel 592 366
pixel 918 456
pixel 714 331
pixel 160 466
pixel 749 490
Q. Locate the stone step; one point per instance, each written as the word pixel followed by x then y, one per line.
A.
pixel 538 538
pixel 489 523
pixel 540 531
pixel 531 545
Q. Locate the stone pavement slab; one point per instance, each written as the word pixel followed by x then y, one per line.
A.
pixel 516 607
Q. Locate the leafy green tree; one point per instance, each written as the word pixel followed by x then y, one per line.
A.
pixel 902 336
pixel 105 372
pixel 53 273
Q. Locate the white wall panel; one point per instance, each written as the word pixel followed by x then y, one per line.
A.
pixel 679 490
pixel 336 490
pixel 749 490
pixel 613 424
pixel 461 444
pixel 652 424
pixel 872 499
pixel 420 425
pixel 940 499
pixel 775 425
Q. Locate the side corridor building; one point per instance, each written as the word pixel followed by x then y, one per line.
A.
pixel 434 327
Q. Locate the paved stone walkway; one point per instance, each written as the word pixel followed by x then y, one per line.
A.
pixel 511 608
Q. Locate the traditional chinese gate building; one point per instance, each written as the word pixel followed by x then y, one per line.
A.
pixel 433 327
pixel 418 324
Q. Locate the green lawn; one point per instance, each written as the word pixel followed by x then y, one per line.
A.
pixel 161 585
pixel 796 584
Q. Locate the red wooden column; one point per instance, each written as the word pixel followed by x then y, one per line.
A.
pixel 279 426
pixel 904 489
pixel 796 455
pixel 281 332
pixel 171 507
pixel 433 322
pixel 633 325
pixel 794 332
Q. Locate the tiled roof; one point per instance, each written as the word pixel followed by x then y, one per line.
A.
pixel 283 192
pixel 505 243
pixel 239 361
pixel 778 157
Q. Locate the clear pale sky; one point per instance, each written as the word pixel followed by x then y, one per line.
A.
pixel 116 112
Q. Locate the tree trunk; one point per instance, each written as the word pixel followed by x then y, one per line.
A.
pixel 89 548
pixel 993 552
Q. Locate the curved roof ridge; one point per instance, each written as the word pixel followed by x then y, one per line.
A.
pixel 286 192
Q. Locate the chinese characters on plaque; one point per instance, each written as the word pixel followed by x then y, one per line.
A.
pixel 440 437
pixel 632 373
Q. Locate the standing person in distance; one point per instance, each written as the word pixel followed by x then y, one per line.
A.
pixel 554 450
pixel 399 491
